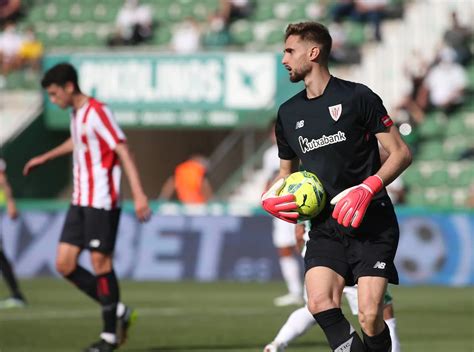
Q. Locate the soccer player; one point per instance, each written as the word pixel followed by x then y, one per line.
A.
pixel 301 320
pixel 16 300
pixel 283 236
pixel 332 128
pixel 99 148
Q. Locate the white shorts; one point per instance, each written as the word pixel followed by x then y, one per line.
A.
pixel 283 234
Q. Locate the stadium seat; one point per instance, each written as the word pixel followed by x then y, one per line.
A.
pixel 162 35
pixel 456 126
pixel 102 13
pixel 216 40
pixel 298 13
pixel 438 197
pixel 275 36
pixel 200 12
pixel 355 33
pixel 436 178
pixel 241 32
pixel 412 176
pixel 80 13
pixel 433 126
pixel 455 145
pixel 178 11
pixel 263 12
pixel 64 38
pixel 459 197
pixel 91 39
pixel 416 197
pixel 35 15
pixel 461 174
pixel 282 10
pixel 431 150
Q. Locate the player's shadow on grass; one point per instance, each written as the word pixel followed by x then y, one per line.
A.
pixel 243 347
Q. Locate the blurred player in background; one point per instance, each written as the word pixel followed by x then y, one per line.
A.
pixel 283 235
pixel 189 181
pixel 332 128
pixel 16 300
pixel 98 146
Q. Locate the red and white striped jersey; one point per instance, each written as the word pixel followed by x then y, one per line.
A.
pixel 96 169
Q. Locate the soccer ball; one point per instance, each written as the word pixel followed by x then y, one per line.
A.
pixel 308 191
pixel 421 253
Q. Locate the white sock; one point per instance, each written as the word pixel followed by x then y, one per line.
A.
pixel 297 324
pixel 392 326
pixel 109 337
pixel 352 297
pixel 290 270
pixel 120 309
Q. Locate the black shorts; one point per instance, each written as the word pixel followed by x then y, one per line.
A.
pixel 91 228
pixel 352 253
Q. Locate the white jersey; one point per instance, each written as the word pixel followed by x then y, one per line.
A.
pixel 271 162
pixel 96 170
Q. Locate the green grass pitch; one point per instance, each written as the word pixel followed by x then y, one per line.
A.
pixel 222 316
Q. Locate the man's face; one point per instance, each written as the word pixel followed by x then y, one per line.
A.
pixel 296 58
pixel 61 96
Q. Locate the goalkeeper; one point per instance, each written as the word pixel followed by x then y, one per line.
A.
pixel 332 127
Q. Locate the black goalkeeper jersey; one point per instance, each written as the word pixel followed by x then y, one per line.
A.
pixel 334 134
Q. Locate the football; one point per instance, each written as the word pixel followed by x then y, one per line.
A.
pixel 422 251
pixel 308 191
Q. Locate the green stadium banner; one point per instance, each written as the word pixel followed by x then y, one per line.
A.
pixel 219 90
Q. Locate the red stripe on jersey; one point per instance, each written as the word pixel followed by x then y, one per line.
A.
pixel 88 157
pixel 109 160
pixel 78 176
pixel 105 119
pixel 387 121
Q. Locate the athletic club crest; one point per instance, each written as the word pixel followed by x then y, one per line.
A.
pixel 335 111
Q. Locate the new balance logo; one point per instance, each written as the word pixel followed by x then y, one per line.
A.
pixel 379 265
pixel 299 124
pixel 94 243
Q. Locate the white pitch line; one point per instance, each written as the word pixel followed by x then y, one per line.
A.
pixel 87 313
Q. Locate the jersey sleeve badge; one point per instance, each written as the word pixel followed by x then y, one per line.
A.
pixel 387 121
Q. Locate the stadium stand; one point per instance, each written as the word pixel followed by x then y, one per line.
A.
pixel 439 174
pixel 87 23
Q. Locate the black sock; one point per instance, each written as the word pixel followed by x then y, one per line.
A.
pixel 9 276
pixel 85 281
pixel 339 332
pixel 108 292
pixel 378 343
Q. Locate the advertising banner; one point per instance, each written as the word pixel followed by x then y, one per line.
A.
pixel 196 91
pixel 433 248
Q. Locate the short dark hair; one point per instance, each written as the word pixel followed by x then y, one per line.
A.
pixel 314 32
pixel 60 74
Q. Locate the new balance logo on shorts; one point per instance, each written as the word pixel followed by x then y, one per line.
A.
pixel 94 243
pixel 379 265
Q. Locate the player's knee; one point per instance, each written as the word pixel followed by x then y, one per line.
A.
pixel 64 266
pixel 102 263
pixel 368 319
pixel 320 303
